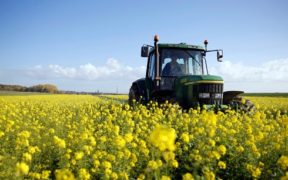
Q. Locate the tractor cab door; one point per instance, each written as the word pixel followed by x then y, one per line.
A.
pixel 155 92
pixel 150 74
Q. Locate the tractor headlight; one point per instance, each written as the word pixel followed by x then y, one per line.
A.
pixel 204 95
pixel 218 95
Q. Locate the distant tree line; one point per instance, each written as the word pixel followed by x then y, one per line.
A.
pixel 45 88
pixel 48 88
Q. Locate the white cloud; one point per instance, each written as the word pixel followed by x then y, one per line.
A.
pixel 112 69
pixel 270 76
pixel 271 71
pixel 58 70
pixel 113 76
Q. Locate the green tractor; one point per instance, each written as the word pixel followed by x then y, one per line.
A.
pixel 179 73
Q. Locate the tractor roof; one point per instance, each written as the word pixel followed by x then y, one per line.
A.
pixel 180 45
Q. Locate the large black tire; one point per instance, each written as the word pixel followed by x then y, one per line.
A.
pixel 133 94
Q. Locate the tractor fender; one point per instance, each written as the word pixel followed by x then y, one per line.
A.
pixel 141 88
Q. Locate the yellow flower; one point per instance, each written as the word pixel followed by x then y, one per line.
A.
pixel 222 149
pixel 212 118
pixel 51 131
pixel 87 149
pixel 209 175
pixel 175 164
pixel 283 162
pixel 185 137
pixel 106 165
pixel 261 164
pixel 35 175
pixel 127 153
pixel 64 174
pixel 256 172
pixel 153 165
pixel 33 149
pixel 222 165
pixel 2 134
pixel 112 140
pixel 22 139
pixel 211 132
pixel 187 176
pixel 45 174
pixel 114 175
pixel 116 130
pixel 128 137
pixel 165 177
pixel 24 134
pixel 103 139
pixel 163 138
pixel 73 162
pixel 59 142
pixel 79 155
pixel 22 168
pixel 127 107
pixel 159 163
pixel 108 172
pixel 120 154
pixel 120 142
pixel 211 142
pixel 84 174
pixel 27 157
pixel 141 177
pixel 215 154
pixel 111 157
pixel 96 163
pixel 168 155
pixel 92 141
pixel 240 149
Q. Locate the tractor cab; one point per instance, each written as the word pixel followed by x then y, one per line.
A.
pixel 177 62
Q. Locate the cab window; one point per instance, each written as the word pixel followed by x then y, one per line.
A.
pixel 151 68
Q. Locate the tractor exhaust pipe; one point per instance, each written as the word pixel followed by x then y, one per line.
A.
pixel 157 78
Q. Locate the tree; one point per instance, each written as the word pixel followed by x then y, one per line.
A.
pixel 48 88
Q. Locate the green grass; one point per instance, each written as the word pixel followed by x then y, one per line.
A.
pixel 266 94
pixel 17 93
pixel 115 97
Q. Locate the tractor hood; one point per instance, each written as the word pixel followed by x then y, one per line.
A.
pixel 197 90
pixel 196 79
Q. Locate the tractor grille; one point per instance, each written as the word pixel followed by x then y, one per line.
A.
pixel 215 92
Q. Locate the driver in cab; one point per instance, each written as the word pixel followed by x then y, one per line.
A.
pixel 172 68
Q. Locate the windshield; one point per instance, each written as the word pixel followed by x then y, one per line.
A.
pixel 180 62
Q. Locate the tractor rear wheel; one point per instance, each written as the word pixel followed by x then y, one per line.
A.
pixel 134 94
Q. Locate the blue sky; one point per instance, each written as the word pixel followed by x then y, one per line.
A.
pixel 93 45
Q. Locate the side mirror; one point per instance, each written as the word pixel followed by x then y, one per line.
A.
pixel 219 55
pixel 144 51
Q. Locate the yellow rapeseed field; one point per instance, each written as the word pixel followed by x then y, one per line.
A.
pixel 89 137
